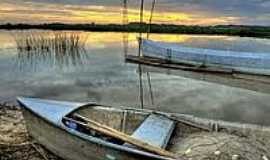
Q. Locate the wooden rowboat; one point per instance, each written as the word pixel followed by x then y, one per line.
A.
pixel 63 128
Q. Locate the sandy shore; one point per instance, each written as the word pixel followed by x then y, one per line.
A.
pixel 15 144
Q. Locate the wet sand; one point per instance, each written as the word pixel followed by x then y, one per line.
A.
pixel 15 143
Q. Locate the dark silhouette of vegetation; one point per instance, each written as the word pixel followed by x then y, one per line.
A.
pixel 235 30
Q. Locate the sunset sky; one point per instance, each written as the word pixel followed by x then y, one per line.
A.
pixel 187 12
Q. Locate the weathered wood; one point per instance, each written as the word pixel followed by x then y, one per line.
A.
pixel 121 136
pixel 175 65
pixel 130 139
pixel 75 145
pixel 155 130
pixel 69 146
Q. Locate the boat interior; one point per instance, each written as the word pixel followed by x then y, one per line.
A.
pixel 157 130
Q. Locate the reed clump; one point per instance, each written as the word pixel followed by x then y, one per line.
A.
pixel 51 47
pixel 49 41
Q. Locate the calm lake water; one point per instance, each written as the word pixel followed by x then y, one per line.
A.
pixel 102 75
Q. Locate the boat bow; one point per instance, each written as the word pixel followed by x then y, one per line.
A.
pixel 52 111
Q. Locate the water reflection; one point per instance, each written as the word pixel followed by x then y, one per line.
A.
pixel 106 78
pixel 230 109
pixel 50 49
pixel 40 56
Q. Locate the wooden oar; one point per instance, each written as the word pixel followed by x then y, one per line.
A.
pixel 121 136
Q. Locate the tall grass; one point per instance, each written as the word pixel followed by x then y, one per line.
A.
pixel 61 48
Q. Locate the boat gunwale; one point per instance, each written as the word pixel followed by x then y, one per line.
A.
pixel 232 53
pixel 208 123
pixel 92 139
pixel 184 118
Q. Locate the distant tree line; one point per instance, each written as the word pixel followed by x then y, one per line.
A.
pixel 236 30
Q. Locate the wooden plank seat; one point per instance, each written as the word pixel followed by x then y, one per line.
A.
pixel 155 130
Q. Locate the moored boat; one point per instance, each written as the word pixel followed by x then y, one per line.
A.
pixel 243 62
pixel 54 125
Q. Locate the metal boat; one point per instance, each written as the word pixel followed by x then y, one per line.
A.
pixel 243 62
pixel 47 122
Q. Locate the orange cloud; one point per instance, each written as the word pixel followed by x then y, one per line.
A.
pixel 47 13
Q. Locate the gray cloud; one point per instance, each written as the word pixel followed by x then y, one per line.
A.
pixel 248 11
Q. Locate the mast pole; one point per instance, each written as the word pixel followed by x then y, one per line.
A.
pixel 141 11
pixel 125 23
pixel 148 35
pixel 151 18
pixel 141 23
pixel 125 12
pixel 139 54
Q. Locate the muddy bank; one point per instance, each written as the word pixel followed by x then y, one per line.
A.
pixel 15 143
